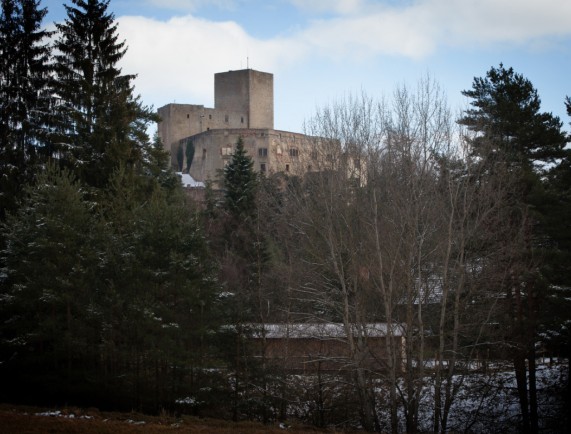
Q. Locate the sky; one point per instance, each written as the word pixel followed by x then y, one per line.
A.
pixel 321 51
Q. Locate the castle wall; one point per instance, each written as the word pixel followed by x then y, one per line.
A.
pixel 243 99
pixel 272 151
pixel 244 106
pixel 183 120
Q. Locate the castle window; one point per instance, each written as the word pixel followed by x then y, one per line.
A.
pixel 226 151
pixel 263 167
pixel 314 155
pixel 226 118
pixel 262 152
pixel 209 116
pixel 294 152
pixel 242 119
pixel 188 116
pixel 287 167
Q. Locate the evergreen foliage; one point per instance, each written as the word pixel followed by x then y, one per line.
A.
pixel 100 124
pixel 519 141
pixel 110 299
pixel 240 182
pixel 48 326
pixel 108 289
pixel 506 115
pixel 24 95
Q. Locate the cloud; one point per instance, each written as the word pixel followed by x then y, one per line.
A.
pixel 177 58
pixel 493 21
pixel 189 5
pixel 336 6
pixel 416 29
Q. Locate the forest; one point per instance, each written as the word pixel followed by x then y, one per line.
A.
pixel 119 291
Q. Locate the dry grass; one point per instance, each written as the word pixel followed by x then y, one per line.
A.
pixel 25 420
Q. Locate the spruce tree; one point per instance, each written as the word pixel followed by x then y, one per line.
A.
pixel 243 261
pixel 48 325
pixel 101 125
pixel 240 182
pixel 25 94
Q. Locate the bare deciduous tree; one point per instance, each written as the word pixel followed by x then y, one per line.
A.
pixel 397 225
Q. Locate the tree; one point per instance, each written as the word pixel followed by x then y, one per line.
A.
pixel 50 318
pixel 511 129
pixel 110 304
pixel 506 115
pixel 240 183
pixel 162 288
pixel 100 124
pixel 413 244
pixel 24 95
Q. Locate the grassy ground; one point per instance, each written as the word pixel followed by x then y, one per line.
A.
pixel 31 420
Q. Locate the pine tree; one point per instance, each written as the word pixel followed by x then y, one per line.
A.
pixel 514 136
pixel 25 94
pixel 557 210
pixel 101 124
pixel 506 115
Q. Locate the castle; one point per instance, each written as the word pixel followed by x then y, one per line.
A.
pixel 201 140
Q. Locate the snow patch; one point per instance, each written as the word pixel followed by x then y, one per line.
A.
pixel 189 181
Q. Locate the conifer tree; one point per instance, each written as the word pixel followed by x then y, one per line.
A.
pixel 89 293
pixel 239 247
pixel 513 135
pixel 243 260
pixel 240 182
pixel 48 317
pixel 24 94
pixel 101 124
pixel 506 115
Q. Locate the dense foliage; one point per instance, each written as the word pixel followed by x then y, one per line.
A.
pixel 108 290
pixel 25 98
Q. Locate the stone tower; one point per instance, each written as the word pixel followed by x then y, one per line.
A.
pixel 242 99
pixel 246 91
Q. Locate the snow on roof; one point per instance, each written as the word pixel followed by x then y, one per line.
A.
pixel 323 330
pixel 188 181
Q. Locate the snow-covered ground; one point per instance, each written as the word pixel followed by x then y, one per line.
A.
pixel 489 403
pixel 485 403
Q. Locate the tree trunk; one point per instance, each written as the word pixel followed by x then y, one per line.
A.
pixel 520 375
pixel 533 416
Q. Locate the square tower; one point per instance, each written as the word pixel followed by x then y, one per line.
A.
pixel 246 91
